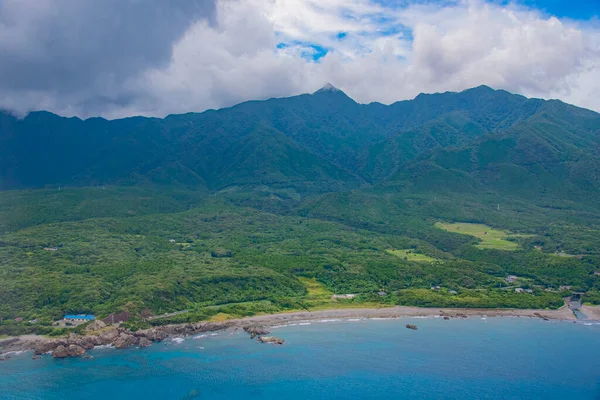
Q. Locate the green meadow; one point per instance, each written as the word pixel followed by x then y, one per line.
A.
pixel 411 255
pixel 490 238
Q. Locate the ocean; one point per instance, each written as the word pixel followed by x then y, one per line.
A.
pixel 477 358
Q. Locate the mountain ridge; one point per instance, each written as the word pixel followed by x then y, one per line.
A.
pixel 349 142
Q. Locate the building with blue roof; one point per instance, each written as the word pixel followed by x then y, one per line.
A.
pixel 80 317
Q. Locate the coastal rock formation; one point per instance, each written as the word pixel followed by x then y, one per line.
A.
pixel 413 327
pixel 46 347
pixel 125 340
pixel 153 334
pixel 255 330
pixel 95 326
pixel 270 339
pixel 145 342
pixel 60 352
pixel 446 317
pixel 75 350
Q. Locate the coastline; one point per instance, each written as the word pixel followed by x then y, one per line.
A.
pixel 122 338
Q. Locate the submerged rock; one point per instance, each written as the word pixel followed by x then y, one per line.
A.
pixel 270 339
pixel 413 327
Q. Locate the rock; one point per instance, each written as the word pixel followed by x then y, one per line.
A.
pixel 410 326
pixel 60 352
pixel 270 339
pixel 48 346
pixel 87 357
pixel 255 330
pixel 145 342
pixel 153 334
pixel 125 340
pixel 446 317
pixel 107 337
pixel 95 326
pixel 35 357
pixel 75 350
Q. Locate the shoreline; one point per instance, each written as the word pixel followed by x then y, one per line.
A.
pixel 122 338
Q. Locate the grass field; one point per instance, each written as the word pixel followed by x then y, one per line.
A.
pixel 314 288
pixel 410 255
pixel 490 238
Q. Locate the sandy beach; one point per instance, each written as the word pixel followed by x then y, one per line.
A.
pixel 563 313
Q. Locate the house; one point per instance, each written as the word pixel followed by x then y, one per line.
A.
pixel 435 288
pixel 79 317
pixel 565 288
pixel 18 319
pixel 171 240
pixel 117 318
pixel 50 248
pixel 382 293
pixel 452 292
pixel 511 279
pixel 519 290
pixel 529 290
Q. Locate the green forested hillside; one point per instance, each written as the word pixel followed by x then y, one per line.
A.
pixel 275 205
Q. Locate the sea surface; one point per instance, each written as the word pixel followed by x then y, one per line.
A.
pixel 476 358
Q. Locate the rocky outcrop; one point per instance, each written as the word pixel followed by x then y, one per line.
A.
pixel 270 339
pixel 446 317
pixel 95 326
pixel 76 345
pixel 411 326
pixel 255 330
pixel 152 334
pixel 60 352
pixel 125 340
pixel 75 350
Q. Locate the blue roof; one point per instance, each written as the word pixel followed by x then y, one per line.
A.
pixel 88 317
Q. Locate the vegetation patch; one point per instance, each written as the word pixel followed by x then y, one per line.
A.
pixel 314 288
pixel 490 238
pixel 410 255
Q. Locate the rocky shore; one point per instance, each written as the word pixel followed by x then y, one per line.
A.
pixel 257 327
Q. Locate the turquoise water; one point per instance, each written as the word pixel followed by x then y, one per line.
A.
pixel 494 358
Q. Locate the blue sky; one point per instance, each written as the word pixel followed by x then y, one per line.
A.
pixel 575 9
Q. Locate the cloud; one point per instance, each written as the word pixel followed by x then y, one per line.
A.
pixel 80 54
pixel 101 58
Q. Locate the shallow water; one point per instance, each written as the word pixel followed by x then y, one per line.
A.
pixel 492 358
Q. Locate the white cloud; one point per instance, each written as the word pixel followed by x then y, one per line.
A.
pixel 388 54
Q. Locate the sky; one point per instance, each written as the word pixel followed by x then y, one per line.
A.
pixel 118 58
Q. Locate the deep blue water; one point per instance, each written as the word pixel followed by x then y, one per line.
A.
pixel 494 358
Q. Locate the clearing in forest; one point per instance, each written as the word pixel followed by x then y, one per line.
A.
pixel 314 287
pixel 490 238
pixel 410 255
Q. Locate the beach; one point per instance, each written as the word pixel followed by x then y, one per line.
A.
pixel 127 338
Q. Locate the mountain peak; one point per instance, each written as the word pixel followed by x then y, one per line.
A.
pixel 328 87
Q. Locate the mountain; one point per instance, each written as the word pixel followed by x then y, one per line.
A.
pixel 276 205
pixel 478 140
